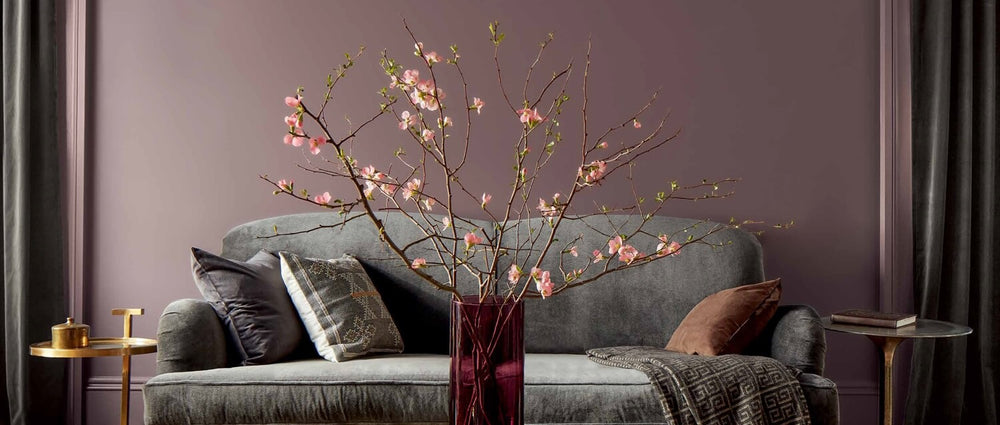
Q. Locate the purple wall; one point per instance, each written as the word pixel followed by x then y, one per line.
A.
pixel 186 107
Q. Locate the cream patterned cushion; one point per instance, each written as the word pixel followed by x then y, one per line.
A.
pixel 341 309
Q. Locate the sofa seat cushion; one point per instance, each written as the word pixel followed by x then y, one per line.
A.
pixel 399 388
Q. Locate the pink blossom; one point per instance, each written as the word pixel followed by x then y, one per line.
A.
pixel 407 120
pixel 294 120
pixel 418 263
pixel 412 189
pixel 598 257
pixel 546 209
pixel 472 240
pixel 370 173
pixel 543 283
pixel 486 199
pixel 286 184
pixel 314 144
pixel 593 172
pixel 665 249
pixel 293 102
pixel 446 123
pixel 410 77
pixel 614 245
pixel 427 95
pixel 323 199
pixel 288 138
pixel 636 124
pixel 573 252
pixel 627 254
pixel 388 188
pixel 514 274
pixel 446 222
pixel 419 46
pixel 298 141
pixel 531 117
pixel 427 135
pixel 603 145
pixel 432 58
pixel 536 273
pixel 478 105
pixel 393 82
pixel 429 203
pixel 369 189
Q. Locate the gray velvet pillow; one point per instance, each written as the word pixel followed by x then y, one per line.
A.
pixel 340 307
pixel 251 300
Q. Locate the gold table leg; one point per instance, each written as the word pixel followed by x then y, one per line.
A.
pixel 127 314
pixel 888 346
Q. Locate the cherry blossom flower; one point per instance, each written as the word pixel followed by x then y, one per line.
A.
pixel 546 209
pixel 289 138
pixel 627 254
pixel 407 120
pixel 427 135
pixel 486 199
pixel 472 240
pixel 388 189
pixel 573 252
pixel 323 199
pixel 429 203
pixel 478 105
pixel 293 102
pixel 665 248
pixel 536 273
pixel 593 172
pixel 446 123
pixel 446 222
pixel 603 145
pixel 418 263
pixel 314 144
pixel 370 173
pixel 543 282
pixel 419 48
pixel 531 117
pixel 432 58
pixel 410 77
pixel 636 124
pixel 286 184
pixel 369 189
pixel 598 256
pixel 412 189
pixel 294 120
pixel 514 274
pixel 614 245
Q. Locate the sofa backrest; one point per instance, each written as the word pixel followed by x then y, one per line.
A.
pixel 641 306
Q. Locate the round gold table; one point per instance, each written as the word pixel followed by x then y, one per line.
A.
pixel 888 339
pixel 124 347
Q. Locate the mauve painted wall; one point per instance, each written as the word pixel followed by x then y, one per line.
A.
pixel 186 107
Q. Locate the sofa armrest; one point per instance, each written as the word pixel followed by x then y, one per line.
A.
pixel 795 337
pixel 190 337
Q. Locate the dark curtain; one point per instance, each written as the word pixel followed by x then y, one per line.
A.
pixel 34 291
pixel 955 211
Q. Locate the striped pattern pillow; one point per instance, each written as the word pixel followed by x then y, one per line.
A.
pixel 341 309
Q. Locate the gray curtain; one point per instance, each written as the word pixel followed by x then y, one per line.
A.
pixel 34 291
pixel 956 219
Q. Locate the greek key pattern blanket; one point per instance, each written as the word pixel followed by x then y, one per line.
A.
pixel 721 390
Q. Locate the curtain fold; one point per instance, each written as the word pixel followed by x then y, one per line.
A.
pixel 955 210
pixel 34 292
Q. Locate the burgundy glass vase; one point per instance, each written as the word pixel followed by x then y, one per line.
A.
pixel 487 361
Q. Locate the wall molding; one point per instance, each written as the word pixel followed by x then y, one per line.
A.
pixel 114 383
pixel 895 206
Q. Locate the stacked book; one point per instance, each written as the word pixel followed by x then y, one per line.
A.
pixel 874 318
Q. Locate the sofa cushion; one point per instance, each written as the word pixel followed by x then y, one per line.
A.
pixel 398 388
pixel 727 321
pixel 340 307
pixel 252 302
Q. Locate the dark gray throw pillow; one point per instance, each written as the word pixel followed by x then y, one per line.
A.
pixel 251 300
pixel 340 307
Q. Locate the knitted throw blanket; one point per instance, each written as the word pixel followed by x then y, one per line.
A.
pixel 722 390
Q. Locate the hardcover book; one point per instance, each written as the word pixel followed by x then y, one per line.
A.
pixel 874 318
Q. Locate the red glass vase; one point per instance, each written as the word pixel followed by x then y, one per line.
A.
pixel 487 361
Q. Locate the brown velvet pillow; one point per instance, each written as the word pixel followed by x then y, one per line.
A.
pixel 726 321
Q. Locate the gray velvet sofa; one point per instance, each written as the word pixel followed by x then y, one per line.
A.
pixel 197 382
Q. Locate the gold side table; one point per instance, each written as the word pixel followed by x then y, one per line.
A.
pixel 124 347
pixel 888 339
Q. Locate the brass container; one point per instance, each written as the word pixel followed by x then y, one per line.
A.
pixel 70 335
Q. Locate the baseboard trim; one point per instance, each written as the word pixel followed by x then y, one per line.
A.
pixel 114 383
